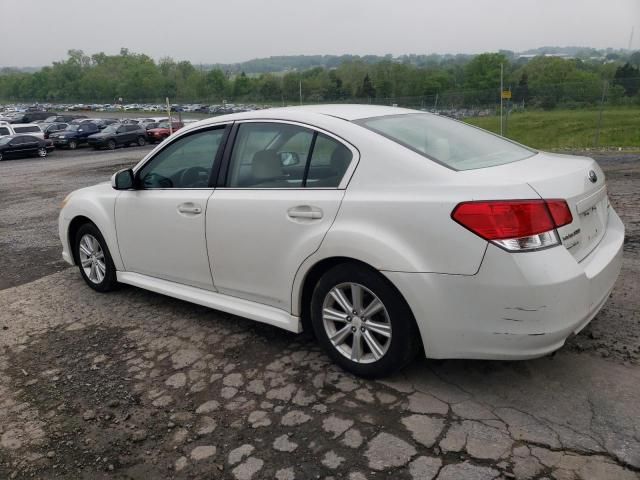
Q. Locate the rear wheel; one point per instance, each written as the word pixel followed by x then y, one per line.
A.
pixel 73 145
pixel 142 141
pixel 1 157
pixel 42 152
pixel 111 144
pixel 362 321
pixel 94 260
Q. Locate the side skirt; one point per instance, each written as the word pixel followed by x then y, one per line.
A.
pixel 236 306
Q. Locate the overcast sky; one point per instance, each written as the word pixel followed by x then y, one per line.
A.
pixel 37 32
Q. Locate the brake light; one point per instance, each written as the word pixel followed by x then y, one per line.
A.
pixel 515 225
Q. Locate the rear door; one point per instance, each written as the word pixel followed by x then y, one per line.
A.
pixel 278 194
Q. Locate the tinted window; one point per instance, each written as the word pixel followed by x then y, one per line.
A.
pixel 185 163
pixel 454 144
pixel 329 162
pixel 27 129
pixel 4 131
pixel 269 155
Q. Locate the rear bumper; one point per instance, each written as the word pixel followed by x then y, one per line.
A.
pixel 517 306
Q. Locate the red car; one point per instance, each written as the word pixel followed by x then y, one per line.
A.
pixel 162 131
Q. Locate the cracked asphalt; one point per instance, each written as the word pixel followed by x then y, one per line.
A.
pixel 133 385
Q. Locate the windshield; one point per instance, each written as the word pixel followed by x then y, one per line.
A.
pixel 72 127
pixel 163 125
pixel 110 129
pixel 449 142
pixel 5 140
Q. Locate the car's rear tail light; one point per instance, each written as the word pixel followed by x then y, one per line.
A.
pixel 515 225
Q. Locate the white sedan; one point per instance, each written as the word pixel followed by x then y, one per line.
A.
pixel 383 230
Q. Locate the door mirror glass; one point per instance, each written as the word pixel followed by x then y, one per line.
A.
pixel 122 180
pixel 289 159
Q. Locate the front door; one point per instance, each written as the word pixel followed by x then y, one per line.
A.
pixel 281 194
pixel 161 225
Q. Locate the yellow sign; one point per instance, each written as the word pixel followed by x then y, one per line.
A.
pixel 506 94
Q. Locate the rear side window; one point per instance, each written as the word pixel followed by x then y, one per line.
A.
pixel 281 155
pixel 448 142
pixel 26 129
pixel 4 131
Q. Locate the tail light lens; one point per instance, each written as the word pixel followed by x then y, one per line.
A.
pixel 515 225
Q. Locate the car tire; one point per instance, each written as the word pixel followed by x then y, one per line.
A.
pixel 93 259
pixel 372 345
pixel 73 145
pixel 42 152
pixel 142 141
pixel 1 157
pixel 111 144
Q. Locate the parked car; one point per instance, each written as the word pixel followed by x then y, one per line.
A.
pixel 63 118
pixel 49 128
pixel 101 123
pixel 384 230
pixel 28 117
pixel 28 129
pixel 74 135
pixel 162 131
pixel 119 134
pixel 16 146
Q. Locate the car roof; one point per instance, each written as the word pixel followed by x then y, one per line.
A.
pixel 348 112
pixel 25 125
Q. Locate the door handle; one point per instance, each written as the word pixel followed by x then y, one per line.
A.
pixel 305 211
pixel 190 208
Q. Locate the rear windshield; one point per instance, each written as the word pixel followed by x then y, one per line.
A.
pixel 449 142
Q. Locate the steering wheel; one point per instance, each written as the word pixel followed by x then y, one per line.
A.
pixel 155 180
pixel 194 177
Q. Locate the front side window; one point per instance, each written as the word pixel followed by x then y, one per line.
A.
pixel 451 143
pixel 185 163
pixel 280 155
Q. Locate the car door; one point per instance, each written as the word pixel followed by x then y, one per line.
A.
pixel 16 147
pixel 269 213
pixel 161 224
pixel 30 145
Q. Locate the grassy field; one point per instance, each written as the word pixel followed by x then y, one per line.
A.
pixel 566 129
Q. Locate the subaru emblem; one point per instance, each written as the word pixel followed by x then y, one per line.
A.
pixel 592 176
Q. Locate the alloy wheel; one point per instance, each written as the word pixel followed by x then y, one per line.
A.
pixel 42 152
pixel 92 258
pixel 356 322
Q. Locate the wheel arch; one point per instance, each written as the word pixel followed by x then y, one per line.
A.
pixel 311 276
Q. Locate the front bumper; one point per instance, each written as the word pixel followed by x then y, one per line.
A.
pixel 518 305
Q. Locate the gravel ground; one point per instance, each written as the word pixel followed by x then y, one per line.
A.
pixel 137 385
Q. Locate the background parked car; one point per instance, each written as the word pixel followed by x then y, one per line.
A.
pixel 162 131
pixel 15 146
pixel 74 135
pixel 65 118
pixel 118 134
pixel 101 123
pixel 28 129
pixel 50 128
pixel 28 117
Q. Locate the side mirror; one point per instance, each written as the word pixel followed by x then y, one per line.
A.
pixel 289 159
pixel 122 180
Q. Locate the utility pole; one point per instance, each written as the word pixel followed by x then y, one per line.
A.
pixel 300 84
pixel 501 90
pixel 435 104
pixel 596 141
pixel 169 115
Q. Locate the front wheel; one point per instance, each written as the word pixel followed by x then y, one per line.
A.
pixel 362 321
pixel 73 145
pixel 111 144
pixel 94 260
pixel 42 152
pixel 142 141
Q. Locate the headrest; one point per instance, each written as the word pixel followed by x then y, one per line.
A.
pixel 266 164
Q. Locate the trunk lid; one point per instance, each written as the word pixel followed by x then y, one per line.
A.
pixel 579 181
